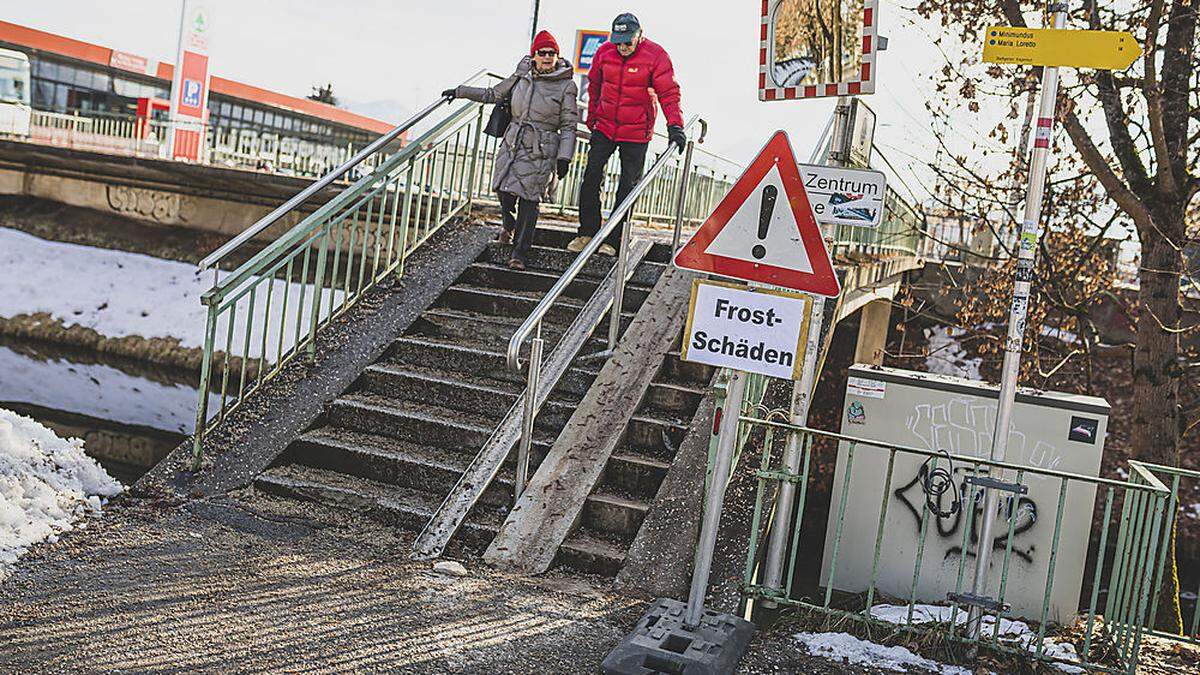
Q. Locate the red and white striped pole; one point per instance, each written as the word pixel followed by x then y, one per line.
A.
pixel 1027 246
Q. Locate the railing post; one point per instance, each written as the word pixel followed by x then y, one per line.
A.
pixel 614 319
pixel 730 415
pixel 681 201
pixel 475 162
pixel 205 383
pixel 535 371
pixel 318 293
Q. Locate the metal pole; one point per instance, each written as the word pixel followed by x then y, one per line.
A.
pixel 726 440
pixel 535 373
pixel 533 22
pixel 1031 233
pixel 614 316
pixel 681 202
pixel 781 524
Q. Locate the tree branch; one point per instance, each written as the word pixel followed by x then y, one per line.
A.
pixel 1116 188
pixel 1154 101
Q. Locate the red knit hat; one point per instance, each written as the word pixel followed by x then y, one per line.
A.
pixel 542 40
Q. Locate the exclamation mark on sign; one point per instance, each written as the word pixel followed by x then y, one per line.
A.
pixel 769 193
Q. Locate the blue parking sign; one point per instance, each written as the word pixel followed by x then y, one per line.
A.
pixel 191 93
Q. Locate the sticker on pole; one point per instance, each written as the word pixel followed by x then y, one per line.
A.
pixel 764 230
pixel 752 329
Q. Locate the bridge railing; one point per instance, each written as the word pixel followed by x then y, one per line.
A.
pixel 270 309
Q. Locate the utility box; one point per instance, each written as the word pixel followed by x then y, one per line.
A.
pixel 1062 432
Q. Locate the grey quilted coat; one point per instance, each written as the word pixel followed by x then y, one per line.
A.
pixel 544 117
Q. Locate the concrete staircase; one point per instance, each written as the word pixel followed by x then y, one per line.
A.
pixel 614 511
pixel 394 444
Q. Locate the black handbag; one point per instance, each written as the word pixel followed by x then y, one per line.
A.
pixel 501 117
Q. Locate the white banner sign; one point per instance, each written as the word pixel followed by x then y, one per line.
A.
pixel 845 196
pixel 755 330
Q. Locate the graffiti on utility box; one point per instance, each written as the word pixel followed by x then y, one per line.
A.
pixel 951 421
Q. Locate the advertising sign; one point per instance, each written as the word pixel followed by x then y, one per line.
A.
pixel 586 44
pixel 751 329
pixel 814 49
pixel 190 83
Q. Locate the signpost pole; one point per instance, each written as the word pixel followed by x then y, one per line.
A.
pixel 533 21
pixel 715 499
pixel 1031 231
pixel 801 394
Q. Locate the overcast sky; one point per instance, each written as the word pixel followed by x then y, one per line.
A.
pixel 408 51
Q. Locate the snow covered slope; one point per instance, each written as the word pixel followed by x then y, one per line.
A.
pixel 46 485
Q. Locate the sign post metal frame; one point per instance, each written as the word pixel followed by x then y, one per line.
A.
pixel 1031 233
pixel 715 499
pixel 781 525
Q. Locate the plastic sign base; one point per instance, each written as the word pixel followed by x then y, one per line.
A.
pixel 661 643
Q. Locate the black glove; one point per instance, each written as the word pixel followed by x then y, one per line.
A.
pixel 450 94
pixel 564 165
pixel 676 137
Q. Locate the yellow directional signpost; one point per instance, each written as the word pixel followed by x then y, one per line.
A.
pixel 1102 49
pixel 1050 47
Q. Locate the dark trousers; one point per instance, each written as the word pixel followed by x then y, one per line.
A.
pixel 520 217
pixel 633 161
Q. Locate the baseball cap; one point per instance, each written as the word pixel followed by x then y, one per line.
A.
pixel 624 27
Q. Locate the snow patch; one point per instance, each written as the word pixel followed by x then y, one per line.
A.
pixel 1017 633
pixel 849 649
pixel 46 484
pixel 947 356
pixel 119 294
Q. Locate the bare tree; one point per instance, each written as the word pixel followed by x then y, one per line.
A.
pixel 1145 163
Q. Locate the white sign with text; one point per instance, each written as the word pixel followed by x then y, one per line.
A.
pixel 845 196
pixel 752 329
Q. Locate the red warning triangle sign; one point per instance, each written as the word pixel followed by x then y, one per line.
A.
pixel 764 229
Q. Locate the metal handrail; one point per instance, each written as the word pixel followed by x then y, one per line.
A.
pixel 539 312
pixel 325 181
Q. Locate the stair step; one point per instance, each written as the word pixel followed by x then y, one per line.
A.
pixel 459 392
pixel 682 398
pixel 391 504
pixel 491 275
pixel 419 422
pixel 655 433
pixel 387 460
pixel 546 259
pixel 484 330
pixel 446 356
pixel 675 369
pixel 592 553
pixel 549 236
pixel 614 514
pixel 634 473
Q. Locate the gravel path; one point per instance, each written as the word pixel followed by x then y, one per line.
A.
pixel 251 583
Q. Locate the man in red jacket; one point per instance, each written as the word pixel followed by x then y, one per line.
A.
pixel 629 76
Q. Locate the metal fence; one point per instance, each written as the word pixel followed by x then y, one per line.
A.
pixel 1102 638
pixel 1183 505
pixel 270 309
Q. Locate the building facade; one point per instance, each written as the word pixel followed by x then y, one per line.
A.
pixel 247 126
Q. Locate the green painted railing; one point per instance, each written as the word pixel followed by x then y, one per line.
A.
pixel 1185 482
pixel 711 177
pixel 1108 639
pixel 270 309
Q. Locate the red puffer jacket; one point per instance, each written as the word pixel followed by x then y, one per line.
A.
pixel 622 92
